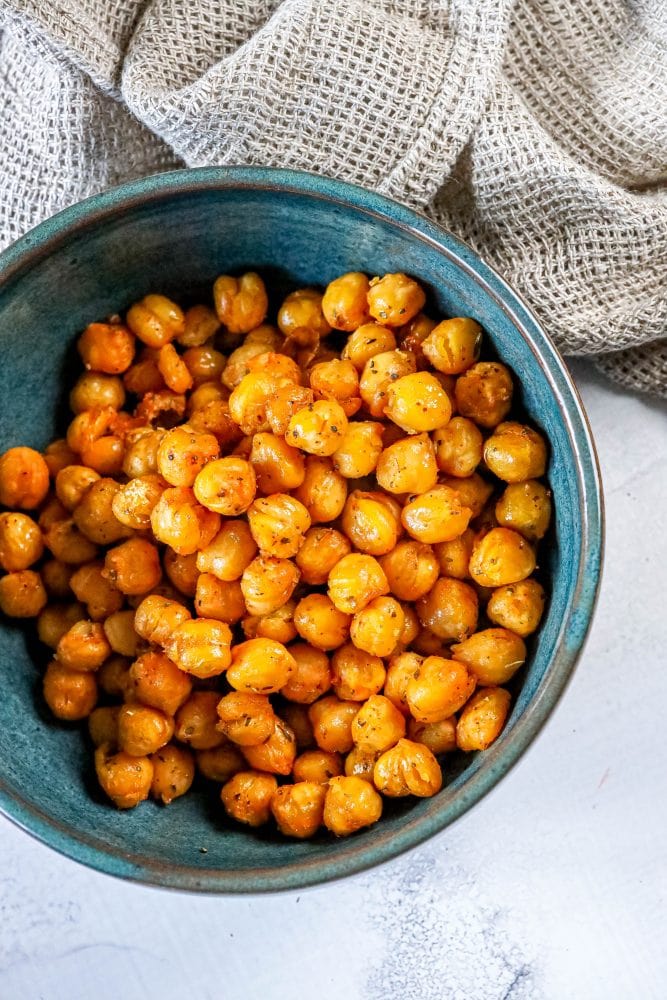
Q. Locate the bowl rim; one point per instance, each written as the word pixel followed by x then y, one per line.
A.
pixel 46 238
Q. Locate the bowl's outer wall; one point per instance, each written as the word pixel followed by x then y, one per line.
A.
pixel 178 244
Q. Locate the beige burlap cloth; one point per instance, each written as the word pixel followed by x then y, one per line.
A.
pixel 535 129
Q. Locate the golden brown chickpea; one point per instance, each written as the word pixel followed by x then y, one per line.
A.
pixel 260 666
pixel 143 730
pixel 296 717
pixel 356 675
pixel 56 576
pixel 337 379
pixel 331 720
pixel 229 553
pixel 55 620
pixel 226 485
pixel 453 346
pixel 248 403
pixel 350 804
pixel 106 347
pixel 323 491
pixel 408 466
pixel 22 594
pixel 51 513
pixel 57 455
pixel 70 694
pixel 402 668
pixel 133 566
pixel 103 725
pixel 502 556
pixel 124 778
pixel 394 299
pixel 214 418
pixel 418 403
pixel 278 625
pixel 241 303
pixel 378 724
pixel 286 401
pixel 207 392
pixel 278 524
pixel 143 377
pixel 411 628
pixel 21 542
pixel 197 721
pixel 517 607
pixel 265 338
pixel 156 681
pixel 483 718
pixel 276 365
pixel 204 364
pixel 72 483
pixel 156 320
pixel 427 643
pixel 182 572
pixel 322 549
pixel 345 301
pixel 411 570
pixel 320 623
pixel 472 491
pixel 96 389
pixel 268 583
pixel 454 556
pixel 408 769
pixel 484 393
pixel 440 688
pixel 221 763
pixel 380 372
pixel 303 308
pixel 377 628
pixel 246 718
pixel 180 522
pixel 278 467
pixel 200 647
pixel 66 542
pixel 449 610
pixel 366 342
pixel 141 452
pixel 100 596
pixel 83 647
pixel 299 809
pixel 355 581
pixel 310 677
pixel 318 429
pixel 275 755
pixel 525 507
pixel 438 515
pixel 360 762
pixel 120 634
pixel 183 453
pixel 439 737
pixel 24 478
pixel 247 797
pixel 94 516
pixel 201 324
pixel 135 501
pixel 493 655
pixel 218 599
pixel 318 766
pixel 173 773
pixel 412 335
pixel 458 447
pixel 370 524
pixel 360 449
pixel 515 452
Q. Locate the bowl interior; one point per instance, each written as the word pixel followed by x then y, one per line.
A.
pixel 164 237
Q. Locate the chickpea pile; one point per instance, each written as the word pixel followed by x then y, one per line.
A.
pixel 297 559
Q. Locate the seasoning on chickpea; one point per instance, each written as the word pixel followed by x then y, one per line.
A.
pixel 173 773
pixel 107 348
pixel 133 566
pixel 142 730
pixel 321 550
pixel 493 655
pixel 517 606
pixel 21 542
pixel 437 515
pixel 439 689
pixel 124 778
pixel 323 491
pixel 156 681
pixel 483 718
pixel 179 521
pixel 379 373
pixel 278 524
pixel 355 581
pixel 395 299
pixel 275 754
pixel 526 508
pixel 502 556
pixel 299 809
pixel 267 583
pixel 408 466
pixel 350 804
pixel 449 610
pixel 260 666
pixel 318 429
pixel 453 345
pixel 200 647
pixel 484 393
pixel 370 524
pixel 70 694
pixel 320 623
pixel 196 721
pixel 240 303
pixel 408 768
pixel 458 447
pixel 247 797
pixel 229 553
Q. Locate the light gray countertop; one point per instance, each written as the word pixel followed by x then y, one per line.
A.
pixel 554 887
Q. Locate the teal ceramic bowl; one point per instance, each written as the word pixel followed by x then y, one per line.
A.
pixel 175 233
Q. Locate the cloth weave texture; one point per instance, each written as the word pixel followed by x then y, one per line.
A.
pixel 534 129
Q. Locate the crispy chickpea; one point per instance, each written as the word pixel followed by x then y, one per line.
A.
pixel 156 681
pixel 408 768
pixel 24 478
pixel 21 542
pixel 411 569
pixel 57 455
pixel 370 524
pixel 173 369
pixel 287 400
pixel 204 364
pixel 350 804
pixel 483 718
pixel 247 797
pixel 321 550
pixel 454 556
pixel 268 583
pixel 449 610
pixel 134 502
pixel 484 393
pixel 220 763
pixel 182 453
pixel 359 451
pixel 141 452
pixel 55 620
pixel 101 597
pixel 278 467
pixel 380 372
pixel 318 766
pixel 408 466
pixel 377 628
pixel 360 762
pixel 215 418
pixel 133 566
pixel 311 675
pixel 501 557
pixel 143 730
pixel 106 347
pixel 238 362
pixel 412 335
pixel 173 773
pixel 515 452
pixel 320 623
pixel 51 513
pixel 517 607
pixel 200 647
pixel 296 717
pixel 143 377
pixel 70 694
pixel 249 399
pixel 182 523
pixel 366 342
pixel 439 689
pixel 83 647
pixel 331 720
pixel 453 345
pixel 276 754
pixel 337 379
pixel 205 393
pixel 303 308
pixel 438 515
pixel 318 429
pixel 278 524
pixel 493 655
pixel 402 668
pixel 395 299
pixel 66 542
pixel 323 491
pixel 229 553
pixel 182 572
pixel 356 675
pixel 246 718
pixel 472 491
pixel 427 643
pixel 345 301
pixel 439 737
pixel 458 447
pixel 417 403
pixel 526 508
pixel 197 721
pixel 200 324
pixel 120 634
pixel 219 599
pixel 241 303
pixel 103 725
pixel 378 724
pixel 277 365
pixel 22 594
pixel 125 779
pixel 226 485
pixel 94 516
pixel 96 389
pixel 71 484
pixel 56 576
pixel 278 625
pixel 156 320
pixel 260 666
pixel 355 581
pixel 411 627
pixel 299 809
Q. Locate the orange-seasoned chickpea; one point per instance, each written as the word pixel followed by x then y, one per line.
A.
pixel 366 342
pixel 483 718
pixel 454 556
pixel 472 491
pixel 104 454
pixel 134 502
pixel 141 452
pixel 70 694
pixel 94 516
pixel 332 719
pixel 438 515
pixel 278 625
pixel 200 324
pixel 318 766
pixel 56 576
pixel 124 778
pixel 395 299
pixel 320 623
pixel 183 453
pixel 411 569
pixel 260 666
pixel 238 362
pixel 219 599
pixel 106 347
pixel 278 467
pixel 458 447
pixel 205 393
pixel 246 718
pixel 417 403
pixel 24 478
pixel 299 809
pixel 321 550
pixel 65 541
pixel 103 725
pixel 493 655
pixel 517 606
pixel 133 566
pixel 278 524
pixel 412 335
pixel 358 453
pixel 345 301
pixel 484 393
pixel 51 513
pixel 323 491
pixel 287 400
pixel 355 581
pixel 377 628
pixel 241 303
pixel 379 373
pixel 200 647
pixel 182 523
pixel 173 773
pixel 411 627
pixel 120 633
pixel 360 762
pixel 449 610
pixel 247 796
pixel 72 482
pixel 226 485
pixel 427 643
pixel 55 620
pixel 196 721
pixel 370 524
pixel 144 376
pixel 408 768
pixel 439 689
pixel 22 594
pixel 156 320
pixel 57 455
pixel 378 724
pixel 268 583
pixel 278 365
pixel 356 675
pixel 350 804
pixel 515 452
pixel 502 556
pixel 439 737
pixel 204 364
pixel 215 418
pixel 220 763
pixel 275 755
pixel 96 389
pixel 229 553
pixel 143 730
pixel 101 597
pixel 155 680
pixel 401 670
pixel 453 345
pixel 311 675
pixel 249 400
pixel 318 429
pixel 303 308
pixel 114 677
pixel 296 717
pixel 83 647
pixel 337 379
pixel 21 542
pixel 525 507
pixel 182 571
pixel 408 466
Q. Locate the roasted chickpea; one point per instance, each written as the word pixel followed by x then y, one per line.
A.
pixel 366 342
pixel 204 364
pixel 278 524
pixel 454 556
pixel 318 766
pixel 412 335
pixel 296 717
pixel 247 797
pixel 182 572
pixel 56 576
pixel 205 393
pixel 360 449
pixel 133 566
pixel 124 778
pixel 484 393
pixel 94 516
pixel 303 308
pixel 320 623
pixel 310 676
pixel 369 523
pixel 483 718
pixel 246 718
pixel 24 478
pixel 378 724
pixel 201 324
pixel 493 655
pixel 156 681
pixel 278 467
pixel 58 455
pixel 120 634
pixel 284 403
pixel 411 628
pixel 173 773
pixel 83 647
pixel 51 513
pixel 143 730
pixel 221 763
pixel 103 725
pixel 345 301
pixel 439 689
pixel 21 542
pixel 299 809
pixel 517 607
pixel 226 485
pixel 453 345
pixel 144 377
pixel 100 595
pixel 408 768
pixel 141 452
pixel 215 418
pixel 106 347
pixel 182 523
pixel 229 553
pixel 156 320
pixel 323 491
pixel 265 338
pixel 360 762
pixel 394 299
pixel 501 557
pixel 380 372
pixel 72 482
pixel 197 721
pixel 183 453
pixel 260 666
pixel 458 447
pixel 408 466
pixel 278 625
pixel 402 668
pixel 355 581
pixel 22 594
pixel 276 754
pixel 66 542
pixel 318 429
pixel 134 502
pixel 356 675
pixel 438 515
pixel 113 677
pixel 377 628
pixel 55 620
pixel 96 389
pixel 417 403
pixel 350 804
pixel 276 365
pixel 337 379
pixel 331 720
pixel 449 610
pixel 515 452
pixel 219 599
pixel 200 647
pixel 268 583
pixel 525 507
pixel 240 303
pixel 250 398
pixel 70 694
pixel 411 570
pixel 321 550
pixel 439 737
pixel 427 643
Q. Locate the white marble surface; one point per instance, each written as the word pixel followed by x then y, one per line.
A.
pixel 554 887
